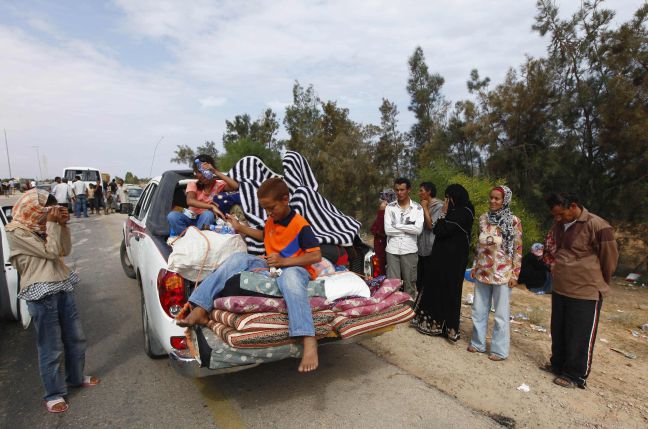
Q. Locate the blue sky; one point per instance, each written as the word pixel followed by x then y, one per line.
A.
pixel 98 83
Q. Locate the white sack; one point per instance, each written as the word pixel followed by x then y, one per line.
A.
pixel 188 255
pixel 345 283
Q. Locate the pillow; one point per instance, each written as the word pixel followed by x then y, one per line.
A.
pixel 345 283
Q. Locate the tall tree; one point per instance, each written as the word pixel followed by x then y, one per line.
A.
pixel 428 105
pixel 302 120
pixel 391 155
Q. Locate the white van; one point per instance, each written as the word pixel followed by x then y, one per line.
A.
pixel 87 174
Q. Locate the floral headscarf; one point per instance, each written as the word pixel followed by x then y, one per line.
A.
pixel 503 219
pixel 29 212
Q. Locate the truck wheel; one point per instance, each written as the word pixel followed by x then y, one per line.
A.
pixel 151 348
pixel 125 262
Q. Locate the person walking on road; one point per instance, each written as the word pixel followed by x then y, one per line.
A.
pixel 586 257
pixel 498 260
pixel 99 198
pixel 81 194
pixel 39 239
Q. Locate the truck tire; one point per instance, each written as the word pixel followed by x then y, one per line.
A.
pixel 151 348
pixel 125 261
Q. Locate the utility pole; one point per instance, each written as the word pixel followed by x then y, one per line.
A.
pixel 40 172
pixel 7 146
pixel 154 152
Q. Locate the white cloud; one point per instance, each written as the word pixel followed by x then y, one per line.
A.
pixel 212 101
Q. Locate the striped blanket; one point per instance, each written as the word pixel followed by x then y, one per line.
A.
pixel 330 225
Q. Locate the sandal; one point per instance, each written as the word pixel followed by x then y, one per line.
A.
pixel 495 358
pixel 90 380
pixel 52 406
pixel 453 336
pixel 564 382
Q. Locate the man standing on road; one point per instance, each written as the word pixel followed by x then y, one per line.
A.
pixel 585 258
pixel 63 192
pixel 403 224
pixel 81 193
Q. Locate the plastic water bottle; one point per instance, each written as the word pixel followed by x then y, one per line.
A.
pixel 222 227
pixel 206 173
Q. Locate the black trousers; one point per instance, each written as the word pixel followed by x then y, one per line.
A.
pixel 574 323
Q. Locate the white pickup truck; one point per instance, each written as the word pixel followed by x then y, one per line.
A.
pixel 144 254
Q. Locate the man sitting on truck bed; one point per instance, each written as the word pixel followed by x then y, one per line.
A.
pixel 290 244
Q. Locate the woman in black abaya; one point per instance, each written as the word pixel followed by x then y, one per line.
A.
pixel 438 307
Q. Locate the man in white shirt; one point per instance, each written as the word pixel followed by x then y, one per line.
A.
pixel 403 223
pixel 81 193
pixel 62 192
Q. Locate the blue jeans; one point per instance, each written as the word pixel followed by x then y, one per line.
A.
pixel 500 296
pixel 81 204
pixel 292 284
pixel 178 222
pixel 58 330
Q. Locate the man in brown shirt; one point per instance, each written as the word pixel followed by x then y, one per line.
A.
pixel 585 258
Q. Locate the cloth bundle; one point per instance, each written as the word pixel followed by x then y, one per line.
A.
pixel 260 330
pixel 197 253
pixel 259 322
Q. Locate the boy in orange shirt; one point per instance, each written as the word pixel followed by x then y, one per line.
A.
pixel 290 245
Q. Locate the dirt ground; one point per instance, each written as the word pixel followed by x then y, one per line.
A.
pixel 617 391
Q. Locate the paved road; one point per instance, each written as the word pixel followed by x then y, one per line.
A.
pixel 352 388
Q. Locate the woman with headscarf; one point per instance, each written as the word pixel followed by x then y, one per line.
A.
pixel 39 239
pixel 496 270
pixel 438 306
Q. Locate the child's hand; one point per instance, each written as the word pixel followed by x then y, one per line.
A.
pixel 274 260
pixel 233 220
pixel 217 211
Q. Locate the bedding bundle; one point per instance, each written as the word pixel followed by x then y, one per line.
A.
pixel 260 322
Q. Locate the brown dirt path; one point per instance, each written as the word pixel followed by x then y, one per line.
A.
pixel 617 393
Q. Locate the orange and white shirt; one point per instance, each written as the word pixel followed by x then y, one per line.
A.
pixel 289 237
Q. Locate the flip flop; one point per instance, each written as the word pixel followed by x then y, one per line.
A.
pixel 51 403
pixel 89 381
pixel 564 382
pixel 496 358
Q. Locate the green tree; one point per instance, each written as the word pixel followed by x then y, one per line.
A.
pixel 184 155
pixel 130 178
pixel 302 120
pixel 429 107
pixel 391 155
pixel 237 149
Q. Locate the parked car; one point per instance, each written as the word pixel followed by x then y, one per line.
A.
pixel 11 307
pixel 144 253
pixel 133 193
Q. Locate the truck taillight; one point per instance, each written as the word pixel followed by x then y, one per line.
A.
pixel 375 263
pixel 171 292
pixel 179 343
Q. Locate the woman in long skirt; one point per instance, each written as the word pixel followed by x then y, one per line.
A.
pixel 438 307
